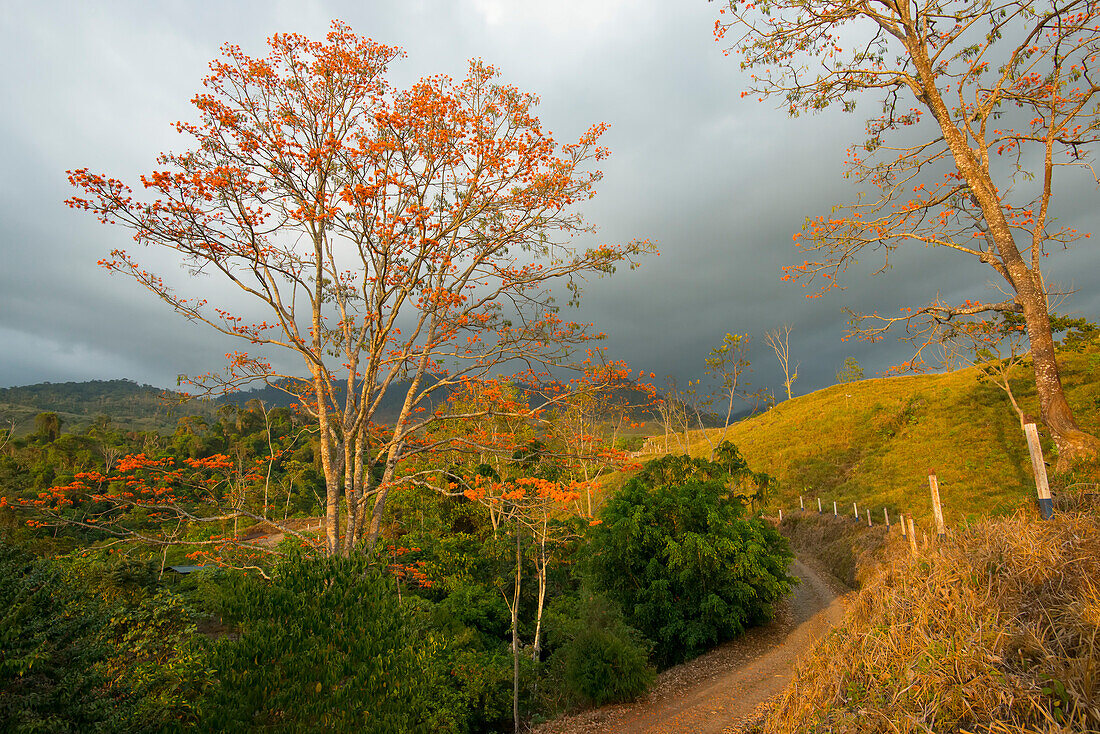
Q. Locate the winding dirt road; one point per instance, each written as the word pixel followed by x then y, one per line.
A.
pixel 722 689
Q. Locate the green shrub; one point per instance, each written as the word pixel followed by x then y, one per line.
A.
pixel 324 646
pixel 48 656
pixel 80 655
pixel 601 659
pixel 689 570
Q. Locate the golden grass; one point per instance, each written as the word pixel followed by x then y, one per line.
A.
pixel 995 630
pixel 874 442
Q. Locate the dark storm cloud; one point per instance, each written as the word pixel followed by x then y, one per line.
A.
pixel 719 182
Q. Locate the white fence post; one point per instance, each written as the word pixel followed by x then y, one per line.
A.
pixel 1039 467
pixel 937 510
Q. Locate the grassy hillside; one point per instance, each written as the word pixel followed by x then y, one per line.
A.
pixel 874 441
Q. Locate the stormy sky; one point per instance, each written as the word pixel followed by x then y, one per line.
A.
pixel 720 183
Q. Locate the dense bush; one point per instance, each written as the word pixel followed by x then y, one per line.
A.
pixel 81 654
pixel 599 658
pixel 324 646
pixel 689 569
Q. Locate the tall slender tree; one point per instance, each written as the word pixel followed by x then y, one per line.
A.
pixel 779 339
pixel 982 103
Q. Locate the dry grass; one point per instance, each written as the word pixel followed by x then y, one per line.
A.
pixel 996 630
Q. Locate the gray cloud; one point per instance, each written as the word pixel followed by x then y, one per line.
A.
pixel 719 182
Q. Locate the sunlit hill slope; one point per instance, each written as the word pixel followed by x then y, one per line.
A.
pixel 874 441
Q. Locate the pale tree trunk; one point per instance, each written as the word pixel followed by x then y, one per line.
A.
pixel 515 634
pixel 703 430
pixel 540 569
pixel 354 496
pixel 363 479
pixel 379 510
pixel 328 467
pixel 397 445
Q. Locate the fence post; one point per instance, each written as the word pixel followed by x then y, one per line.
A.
pixel 800 505
pixel 1046 505
pixel 819 505
pixel 912 535
pixel 934 485
pixel 781 516
pixel 886 515
pixel 868 518
pixel 855 511
pixel 834 508
pixel 904 534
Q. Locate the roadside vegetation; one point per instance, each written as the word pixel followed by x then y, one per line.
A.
pixel 992 630
pixel 480 606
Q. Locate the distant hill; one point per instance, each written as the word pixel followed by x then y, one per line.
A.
pixel 127 403
pixel 874 441
pixel 273 396
pixel 139 407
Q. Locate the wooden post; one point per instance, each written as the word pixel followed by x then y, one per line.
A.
pixel 934 485
pixel 819 505
pixel 834 508
pixel 886 515
pixel 855 511
pixel 1039 467
pixel 912 535
pixel 781 516
pixel 902 521
pixel 868 518
pixel 800 505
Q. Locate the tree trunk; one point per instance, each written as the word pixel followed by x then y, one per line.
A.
pixel 540 569
pixel 332 479
pixel 1073 444
pixel 515 634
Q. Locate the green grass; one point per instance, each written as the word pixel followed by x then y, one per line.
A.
pixel 873 442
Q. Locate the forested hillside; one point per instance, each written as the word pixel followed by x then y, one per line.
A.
pixel 78 404
pixel 139 407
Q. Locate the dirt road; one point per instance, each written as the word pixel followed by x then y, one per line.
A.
pixel 721 689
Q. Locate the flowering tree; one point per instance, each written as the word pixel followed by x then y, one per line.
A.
pixel 982 103
pixel 529 454
pixel 162 501
pixel 526 506
pixel 395 239
pixel 587 414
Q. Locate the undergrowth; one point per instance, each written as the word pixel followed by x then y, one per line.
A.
pixel 996 629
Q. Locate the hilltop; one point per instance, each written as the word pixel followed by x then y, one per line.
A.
pixel 874 441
